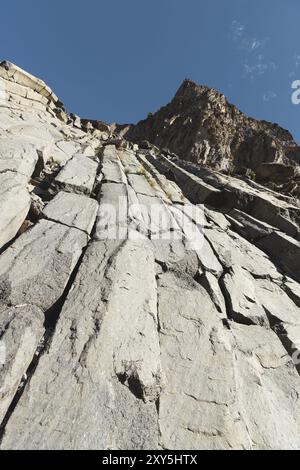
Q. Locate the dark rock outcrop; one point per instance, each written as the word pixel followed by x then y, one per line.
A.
pixel 200 126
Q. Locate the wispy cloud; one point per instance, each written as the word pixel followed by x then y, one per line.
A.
pixel 237 30
pixel 252 44
pixel 257 67
pixel 295 63
pixel 254 63
pixel 297 59
pixel 244 41
pixel 269 95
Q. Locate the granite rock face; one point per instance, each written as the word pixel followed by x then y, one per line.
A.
pixel 146 302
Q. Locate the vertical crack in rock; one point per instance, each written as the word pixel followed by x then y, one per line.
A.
pixel 223 290
pixel 159 332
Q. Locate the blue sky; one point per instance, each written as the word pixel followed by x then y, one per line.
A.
pixel 116 61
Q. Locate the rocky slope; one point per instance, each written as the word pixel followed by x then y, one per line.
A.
pixel 145 303
pixel 200 126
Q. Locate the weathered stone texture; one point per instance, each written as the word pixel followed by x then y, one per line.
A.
pixel 146 302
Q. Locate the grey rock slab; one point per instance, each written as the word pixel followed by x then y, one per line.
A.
pixel 78 175
pixel 8 117
pixel 196 213
pixel 283 315
pixel 104 359
pixel 37 266
pixel 159 190
pixel 25 104
pixel 197 360
pixel 112 218
pixel 192 413
pixel 168 253
pixel 37 135
pixel 268 388
pixel 14 73
pixel 74 210
pixel 259 203
pixel 211 283
pixel 137 215
pixel 151 217
pixel 171 255
pixel 217 218
pixel 285 250
pixel 292 288
pixel 193 187
pixel 137 353
pixel 157 218
pixel 11 87
pixel 233 193
pixel 21 329
pixel 276 302
pixel 289 336
pixel 17 155
pixel 87 150
pixel 35 131
pixel 232 250
pixel 252 228
pixel 171 190
pixel 187 265
pixel 111 167
pixel 140 185
pixel 110 153
pixel 130 162
pixel 112 172
pixel 195 240
pixel 277 213
pixel 14 203
pixel 201 425
pixel 33 95
pixel 240 291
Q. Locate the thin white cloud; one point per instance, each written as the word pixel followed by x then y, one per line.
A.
pixel 252 44
pixel 295 65
pixel 255 69
pixel 269 95
pixel 246 42
pixel 254 63
pixel 258 67
pixel 297 59
pixel 237 30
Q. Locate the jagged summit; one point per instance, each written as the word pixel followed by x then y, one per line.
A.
pixel 146 302
pixel 189 89
pixel 200 126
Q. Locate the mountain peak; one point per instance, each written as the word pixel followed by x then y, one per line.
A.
pixel 202 127
pixel 189 89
